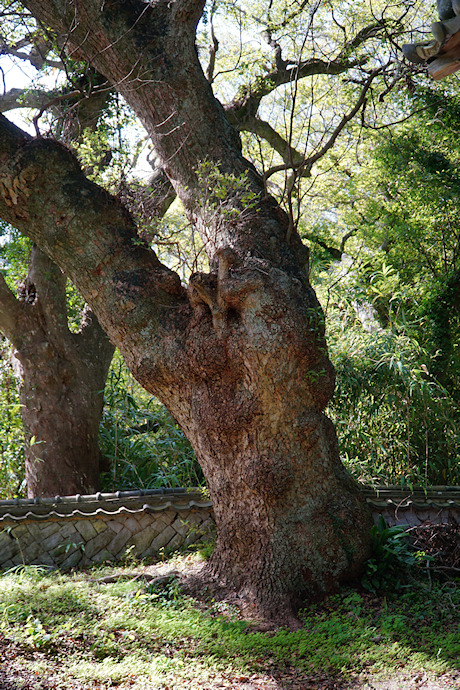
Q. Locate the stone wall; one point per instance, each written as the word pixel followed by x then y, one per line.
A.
pixel 399 506
pixel 81 530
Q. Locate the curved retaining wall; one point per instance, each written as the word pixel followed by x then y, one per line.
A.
pixel 82 530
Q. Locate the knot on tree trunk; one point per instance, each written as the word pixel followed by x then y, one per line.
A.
pixel 223 293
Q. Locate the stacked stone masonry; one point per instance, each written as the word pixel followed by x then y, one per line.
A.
pixel 78 532
pixel 82 530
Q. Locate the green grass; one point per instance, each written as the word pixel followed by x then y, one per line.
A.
pixel 114 634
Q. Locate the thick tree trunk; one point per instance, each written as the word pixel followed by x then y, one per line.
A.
pixel 291 523
pixel 240 357
pixel 62 377
pixel 62 427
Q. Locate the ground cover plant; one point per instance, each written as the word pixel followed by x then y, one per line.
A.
pixel 95 629
pixel 238 356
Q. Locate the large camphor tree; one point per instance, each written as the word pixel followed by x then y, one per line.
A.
pixel 238 356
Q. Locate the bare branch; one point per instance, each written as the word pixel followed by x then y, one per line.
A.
pixel 50 103
pixel 346 237
pixel 213 48
pixel 280 64
pixel 246 102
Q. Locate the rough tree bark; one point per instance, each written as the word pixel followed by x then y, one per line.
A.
pixel 61 382
pixel 62 378
pixel 239 357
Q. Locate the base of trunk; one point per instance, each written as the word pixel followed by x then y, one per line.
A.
pixel 283 548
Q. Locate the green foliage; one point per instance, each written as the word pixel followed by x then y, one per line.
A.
pixel 227 198
pixel 14 254
pixel 166 593
pixel 392 558
pixel 36 634
pixel 108 634
pixel 396 422
pixel 145 446
pixel 392 299
pixel 107 155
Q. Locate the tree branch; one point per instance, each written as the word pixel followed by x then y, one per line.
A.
pixel 88 233
pixel 306 164
pixel 213 48
pixel 246 102
pixel 335 253
pixel 264 130
pixel 24 98
pixel 37 54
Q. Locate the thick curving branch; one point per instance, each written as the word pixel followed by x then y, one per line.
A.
pixel 246 102
pixel 87 232
pixel 26 98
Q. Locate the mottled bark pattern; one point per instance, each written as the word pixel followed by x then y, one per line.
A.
pixel 62 377
pixel 290 521
pixel 240 357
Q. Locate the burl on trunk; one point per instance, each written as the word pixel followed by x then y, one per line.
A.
pixel 239 356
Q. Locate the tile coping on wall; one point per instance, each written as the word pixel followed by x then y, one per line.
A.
pixel 70 531
pixel 103 504
pixel 155 500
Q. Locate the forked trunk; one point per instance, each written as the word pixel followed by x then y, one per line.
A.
pixel 239 358
pixel 61 382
